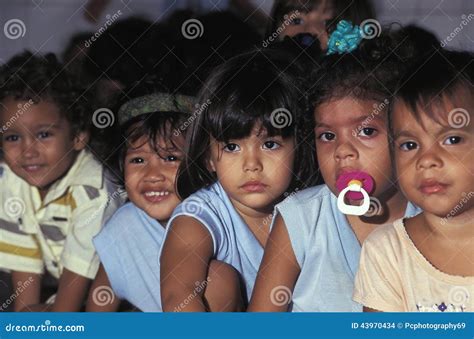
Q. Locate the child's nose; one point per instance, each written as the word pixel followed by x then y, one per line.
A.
pixel 30 149
pixel 429 160
pixel 154 174
pixel 252 163
pixel 345 151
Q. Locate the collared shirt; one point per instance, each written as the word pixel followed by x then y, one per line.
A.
pixel 56 232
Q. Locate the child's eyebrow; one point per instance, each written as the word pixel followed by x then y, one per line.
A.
pixel 403 133
pixel 357 120
pixel 56 126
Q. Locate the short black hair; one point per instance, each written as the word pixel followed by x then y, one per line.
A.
pixel 431 80
pixel 247 90
pixel 35 77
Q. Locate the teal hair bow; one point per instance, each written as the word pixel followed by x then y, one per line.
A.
pixel 345 38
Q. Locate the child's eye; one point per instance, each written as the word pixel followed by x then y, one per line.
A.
pixel 408 146
pixel 367 132
pixel 137 160
pixel 43 135
pixel 12 138
pixel 452 140
pixel 296 21
pixel 327 136
pixel 271 145
pixel 172 158
pixel 231 148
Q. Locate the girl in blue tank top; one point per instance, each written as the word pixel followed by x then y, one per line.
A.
pixel 247 148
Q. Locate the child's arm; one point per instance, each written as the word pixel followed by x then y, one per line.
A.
pixel 278 273
pixel 184 261
pixel 31 294
pixel 72 290
pixel 101 281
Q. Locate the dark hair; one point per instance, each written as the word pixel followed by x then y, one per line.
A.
pixel 429 80
pixel 373 70
pixel 239 94
pixel 150 125
pixel 355 11
pixel 43 78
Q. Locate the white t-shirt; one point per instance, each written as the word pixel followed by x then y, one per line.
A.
pixel 394 276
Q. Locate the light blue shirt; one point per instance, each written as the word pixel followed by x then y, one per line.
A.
pixel 233 242
pixel 129 247
pixel 326 248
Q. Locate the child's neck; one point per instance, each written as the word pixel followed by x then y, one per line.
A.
pixel 258 221
pixel 445 244
pixel 394 205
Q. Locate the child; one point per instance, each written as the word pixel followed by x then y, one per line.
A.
pixel 55 195
pixel 313 250
pixel 129 243
pixel 424 263
pixel 247 148
pixel 316 17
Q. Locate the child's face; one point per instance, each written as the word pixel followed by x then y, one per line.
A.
pixel 313 22
pixel 37 143
pixel 255 171
pixel 434 160
pixel 352 135
pixel 150 178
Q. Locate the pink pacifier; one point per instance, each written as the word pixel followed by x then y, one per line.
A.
pixel 354 185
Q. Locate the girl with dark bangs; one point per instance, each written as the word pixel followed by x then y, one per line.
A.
pixel 248 147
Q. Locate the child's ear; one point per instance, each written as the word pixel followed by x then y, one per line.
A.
pixel 210 165
pixel 81 140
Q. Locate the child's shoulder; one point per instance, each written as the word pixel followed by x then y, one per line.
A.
pixel 312 196
pixel 390 236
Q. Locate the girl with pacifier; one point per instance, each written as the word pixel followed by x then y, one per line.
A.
pixel 313 250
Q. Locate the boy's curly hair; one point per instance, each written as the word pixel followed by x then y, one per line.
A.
pixel 27 76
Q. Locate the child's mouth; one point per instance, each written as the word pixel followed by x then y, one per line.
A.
pixel 432 187
pixel 156 196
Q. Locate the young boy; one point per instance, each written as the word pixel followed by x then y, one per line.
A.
pixel 55 196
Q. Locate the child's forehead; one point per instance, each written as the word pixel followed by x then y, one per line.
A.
pixel 42 112
pixel 349 110
pixel 143 143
